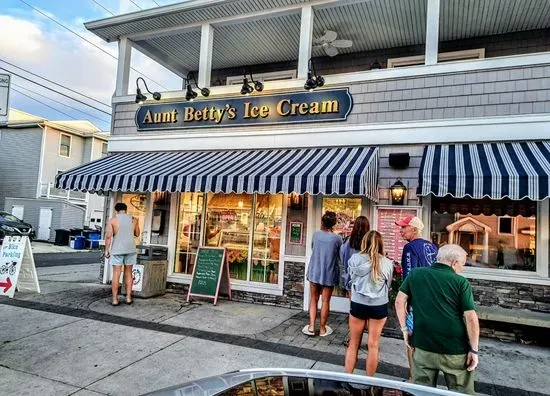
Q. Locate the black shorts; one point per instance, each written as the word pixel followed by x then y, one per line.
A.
pixel 365 312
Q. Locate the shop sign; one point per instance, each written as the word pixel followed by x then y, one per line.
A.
pixel 17 268
pixel 385 225
pixel 297 107
pixel 210 267
pixel 4 96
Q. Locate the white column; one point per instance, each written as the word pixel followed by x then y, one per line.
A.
pixel 432 31
pixel 205 60
pixel 485 254
pixel 306 38
pixel 451 237
pixel 123 66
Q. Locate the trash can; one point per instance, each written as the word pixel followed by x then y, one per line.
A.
pixel 62 237
pixel 78 243
pixel 150 271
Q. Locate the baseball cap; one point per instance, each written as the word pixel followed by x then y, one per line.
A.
pixel 412 221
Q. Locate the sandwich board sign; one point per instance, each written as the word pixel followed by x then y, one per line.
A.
pixel 210 274
pixel 17 268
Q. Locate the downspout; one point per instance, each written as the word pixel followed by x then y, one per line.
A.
pixel 41 165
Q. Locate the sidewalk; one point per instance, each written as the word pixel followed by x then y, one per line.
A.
pixel 505 369
pixel 46 247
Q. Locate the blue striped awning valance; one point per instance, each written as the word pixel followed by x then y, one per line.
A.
pixel 351 170
pixel 495 170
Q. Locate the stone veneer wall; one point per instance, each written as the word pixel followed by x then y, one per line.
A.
pixel 293 289
pixel 511 295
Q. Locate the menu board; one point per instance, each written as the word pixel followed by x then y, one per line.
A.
pixel 208 272
pixel 385 225
pixel 296 233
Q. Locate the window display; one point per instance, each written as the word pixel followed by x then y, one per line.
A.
pixel 228 222
pixel 496 234
pixel 137 208
pixel 346 209
pixel 267 238
pixel 189 231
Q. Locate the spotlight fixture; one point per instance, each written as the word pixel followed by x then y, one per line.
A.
pixel 313 79
pixel 140 97
pixel 246 89
pixel 375 65
pixel 191 94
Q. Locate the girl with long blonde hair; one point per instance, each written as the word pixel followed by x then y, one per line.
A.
pixel 371 275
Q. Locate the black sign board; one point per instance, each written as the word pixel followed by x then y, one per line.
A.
pixel 210 268
pixel 295 107
pixel 296 233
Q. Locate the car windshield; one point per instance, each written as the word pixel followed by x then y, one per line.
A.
pixel 8 217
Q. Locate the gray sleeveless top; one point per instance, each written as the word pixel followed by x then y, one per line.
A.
pixel 123 241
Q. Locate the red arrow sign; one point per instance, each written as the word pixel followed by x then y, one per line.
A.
pixel 6 285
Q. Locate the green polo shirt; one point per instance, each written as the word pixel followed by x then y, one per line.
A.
pixel 439 297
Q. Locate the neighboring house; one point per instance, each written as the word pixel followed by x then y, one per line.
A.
pixel 33 151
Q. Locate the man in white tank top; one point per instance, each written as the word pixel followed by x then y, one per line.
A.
pixel 120 249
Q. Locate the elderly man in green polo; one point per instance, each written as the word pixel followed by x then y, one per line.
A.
pixel 446 327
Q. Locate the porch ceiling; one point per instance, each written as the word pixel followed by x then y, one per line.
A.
pixel 270 38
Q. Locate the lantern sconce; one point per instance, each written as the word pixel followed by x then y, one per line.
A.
pixel 398 192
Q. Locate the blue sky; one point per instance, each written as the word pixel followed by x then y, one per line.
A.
pixel 37 44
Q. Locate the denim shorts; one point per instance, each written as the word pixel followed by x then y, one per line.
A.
pixel 366 312
pixel 123 259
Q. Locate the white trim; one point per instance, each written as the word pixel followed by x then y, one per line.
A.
pixel 41 164
pixel 306 41
pixel 311 211
pixel 263 77
pixel 543 239
pixel 205 57
pixel 377 75
pixel 254 287
pixel 509 276
pixel 173 231
pixel 432 31
pixel 61 134
pixel 487 129
pixel 470 54
pixel 123 66
pixel 294 259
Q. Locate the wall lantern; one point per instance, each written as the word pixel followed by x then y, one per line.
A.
pixel 140 97
pixel 398 191
pixel 247 89
pixel 191 94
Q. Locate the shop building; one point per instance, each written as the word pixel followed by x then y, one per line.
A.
pixel 445 101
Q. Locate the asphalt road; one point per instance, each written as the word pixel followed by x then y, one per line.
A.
pixel 56 259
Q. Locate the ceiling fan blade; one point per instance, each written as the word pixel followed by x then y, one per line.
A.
pixel 328 36
pixel 342 43
pixel 331 51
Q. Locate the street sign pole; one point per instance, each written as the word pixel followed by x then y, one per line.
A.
pixel 4 98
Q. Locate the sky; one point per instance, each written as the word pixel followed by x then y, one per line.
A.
pixel 36 44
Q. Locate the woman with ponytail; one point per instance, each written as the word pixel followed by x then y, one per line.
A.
pixel 371 276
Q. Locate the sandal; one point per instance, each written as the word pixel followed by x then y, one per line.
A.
pixel 129 302
pixel 307 332
pixel 328 331
pixel 115 304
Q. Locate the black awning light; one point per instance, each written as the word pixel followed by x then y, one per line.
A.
pixel 313 79
pixel 140 97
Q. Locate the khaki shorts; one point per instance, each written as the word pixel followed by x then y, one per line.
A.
pixel 427 365
pixel 123 259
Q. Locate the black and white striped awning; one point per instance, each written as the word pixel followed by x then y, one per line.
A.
pixel 494 170
pixel 351 170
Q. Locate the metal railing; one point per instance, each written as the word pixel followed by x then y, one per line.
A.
pixel 49 190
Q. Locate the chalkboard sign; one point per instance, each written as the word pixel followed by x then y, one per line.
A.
pixel 210 268
pixel 296 233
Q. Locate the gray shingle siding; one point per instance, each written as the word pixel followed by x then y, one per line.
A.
pixel 19 162
pixel 484 93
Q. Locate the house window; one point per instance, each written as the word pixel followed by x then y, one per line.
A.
pixel 263 77
pixel 496 234
pixel 443 57
pixel 104 149
pixel 505 225
pixel 65 145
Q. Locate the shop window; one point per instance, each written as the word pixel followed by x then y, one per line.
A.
pixel 137 208
pixel 160 218
pixel 490 239
pixel 104 150
pixel 65 145
pixel 228 223
pixel 267 238
pixel 346 209
pixel 189 231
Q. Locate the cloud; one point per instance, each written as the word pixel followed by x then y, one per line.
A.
pixel 21 39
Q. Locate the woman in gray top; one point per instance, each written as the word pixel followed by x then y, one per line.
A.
pixel 371 276
pixel 323 273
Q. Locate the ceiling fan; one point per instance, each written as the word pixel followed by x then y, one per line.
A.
pixel 329 43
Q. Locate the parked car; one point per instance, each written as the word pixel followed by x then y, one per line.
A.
pixel 11 225
pixel 295 382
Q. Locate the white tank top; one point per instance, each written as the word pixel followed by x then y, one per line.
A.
pixel 123 241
